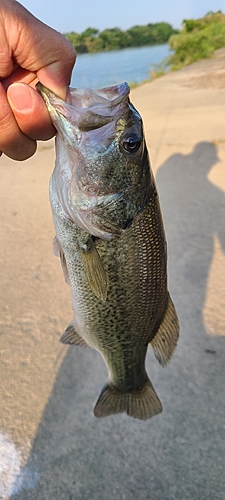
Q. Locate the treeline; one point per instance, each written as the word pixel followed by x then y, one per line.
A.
pixel 93 40
pixel 198 39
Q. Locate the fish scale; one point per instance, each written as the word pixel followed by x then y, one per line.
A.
pixel 113 251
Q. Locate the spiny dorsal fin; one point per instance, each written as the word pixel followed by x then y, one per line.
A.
pixel 165 340
pixel 71 337
pixel 142 404
pixel 95 272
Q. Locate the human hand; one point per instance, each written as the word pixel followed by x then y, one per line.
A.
pixel 30 51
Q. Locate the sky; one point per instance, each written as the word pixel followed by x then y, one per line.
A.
pixel 74 15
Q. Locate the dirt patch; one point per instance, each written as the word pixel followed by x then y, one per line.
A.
pixel 209 81
pixel 207 73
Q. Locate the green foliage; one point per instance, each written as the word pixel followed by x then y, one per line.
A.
pixel 91 40
pixel 90 32
pixel 113 39
pixel 77 41
pixel 198 39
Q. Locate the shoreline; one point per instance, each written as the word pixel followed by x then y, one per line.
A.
pixel 213 67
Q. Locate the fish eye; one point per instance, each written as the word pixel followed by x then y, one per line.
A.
pixel 131 143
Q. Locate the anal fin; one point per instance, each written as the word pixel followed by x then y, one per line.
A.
pixel 165 340
pixel 71 337
pixel 142 404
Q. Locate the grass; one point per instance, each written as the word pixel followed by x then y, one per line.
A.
pixel 198 39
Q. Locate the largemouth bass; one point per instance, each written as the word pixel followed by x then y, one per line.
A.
pixel 111 242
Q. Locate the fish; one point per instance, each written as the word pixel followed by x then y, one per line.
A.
pixel 111 242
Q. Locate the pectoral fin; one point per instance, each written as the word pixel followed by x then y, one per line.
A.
pixel 165 340
pixel 95 272
pixel 58 252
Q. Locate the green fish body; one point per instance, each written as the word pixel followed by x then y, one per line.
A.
pixel 111 242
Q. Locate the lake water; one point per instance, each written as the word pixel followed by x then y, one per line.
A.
pixel 109 68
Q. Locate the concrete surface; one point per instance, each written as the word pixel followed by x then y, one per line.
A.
pixel 51 445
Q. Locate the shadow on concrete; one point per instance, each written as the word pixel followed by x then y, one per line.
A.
pixel 194 213
pixel 180 453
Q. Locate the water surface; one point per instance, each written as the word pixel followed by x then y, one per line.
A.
pixel 109 68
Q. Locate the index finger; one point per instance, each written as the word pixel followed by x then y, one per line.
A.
pixel 37 48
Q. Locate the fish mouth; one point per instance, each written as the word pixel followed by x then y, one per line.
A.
pixel 84 98
pixel 88 109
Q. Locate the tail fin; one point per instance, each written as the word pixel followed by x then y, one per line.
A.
pixel 141 404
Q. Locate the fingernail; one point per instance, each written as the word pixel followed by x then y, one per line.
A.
pixel 20 97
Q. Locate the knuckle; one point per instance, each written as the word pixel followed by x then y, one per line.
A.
pixel 22 151
pixel 6 118
pixel 18 147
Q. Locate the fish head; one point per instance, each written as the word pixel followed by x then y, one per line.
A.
pixel 101 157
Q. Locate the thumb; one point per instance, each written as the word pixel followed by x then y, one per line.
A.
pixel 30 111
